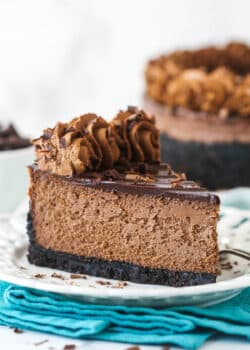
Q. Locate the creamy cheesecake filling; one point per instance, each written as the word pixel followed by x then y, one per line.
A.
pixel 186 125
pixel 157 232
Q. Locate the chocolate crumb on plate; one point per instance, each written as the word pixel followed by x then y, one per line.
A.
pixel 74 276
pixel 18 330
pixel 39 275
pixel 120 284
pixel 226 266
pixel 103 283
pixel 57 275
pixel 41 342
pixel 69 347
pixel 133 348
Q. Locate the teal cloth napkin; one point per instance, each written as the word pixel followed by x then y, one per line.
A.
pixel 188 327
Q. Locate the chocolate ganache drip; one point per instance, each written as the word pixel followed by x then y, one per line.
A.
pixel 89 143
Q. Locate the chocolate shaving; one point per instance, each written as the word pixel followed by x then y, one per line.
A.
pixel 69 347
pixel 226 266
pixel 132 109
pixel 18 330
pixel 74 276
pixel 120 284
pixel 57 275
pixel 41 342
pixel 138 178
pixel 39 275
pixel 103 283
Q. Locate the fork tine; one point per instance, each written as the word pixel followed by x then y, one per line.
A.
pixel 238 252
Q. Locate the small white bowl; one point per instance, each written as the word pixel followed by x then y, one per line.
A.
pixel 14 177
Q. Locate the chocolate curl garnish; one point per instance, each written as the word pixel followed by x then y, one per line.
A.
pixel 137 136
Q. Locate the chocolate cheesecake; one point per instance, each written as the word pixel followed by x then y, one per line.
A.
pixel 201 100
pixel 102 204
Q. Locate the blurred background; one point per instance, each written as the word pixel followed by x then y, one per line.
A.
pixel 62 58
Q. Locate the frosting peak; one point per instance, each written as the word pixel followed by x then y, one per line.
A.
pixel 89 143
pixel 137 136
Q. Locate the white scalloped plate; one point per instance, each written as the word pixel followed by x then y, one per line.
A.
pixel 234 230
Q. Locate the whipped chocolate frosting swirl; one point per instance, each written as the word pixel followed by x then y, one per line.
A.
pixel 89 143
pixel 137 136
pixel 85 143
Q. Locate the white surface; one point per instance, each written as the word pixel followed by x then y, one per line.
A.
pixel 27 341
pixel 63 58
pixel 233 229
pixel 13 171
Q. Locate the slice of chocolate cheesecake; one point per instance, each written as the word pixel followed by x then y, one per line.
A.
pixel 102 204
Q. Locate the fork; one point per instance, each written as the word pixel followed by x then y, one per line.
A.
pixel 238 252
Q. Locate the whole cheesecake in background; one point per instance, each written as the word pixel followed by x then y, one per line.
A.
pixel 102 204
pixel 201 100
